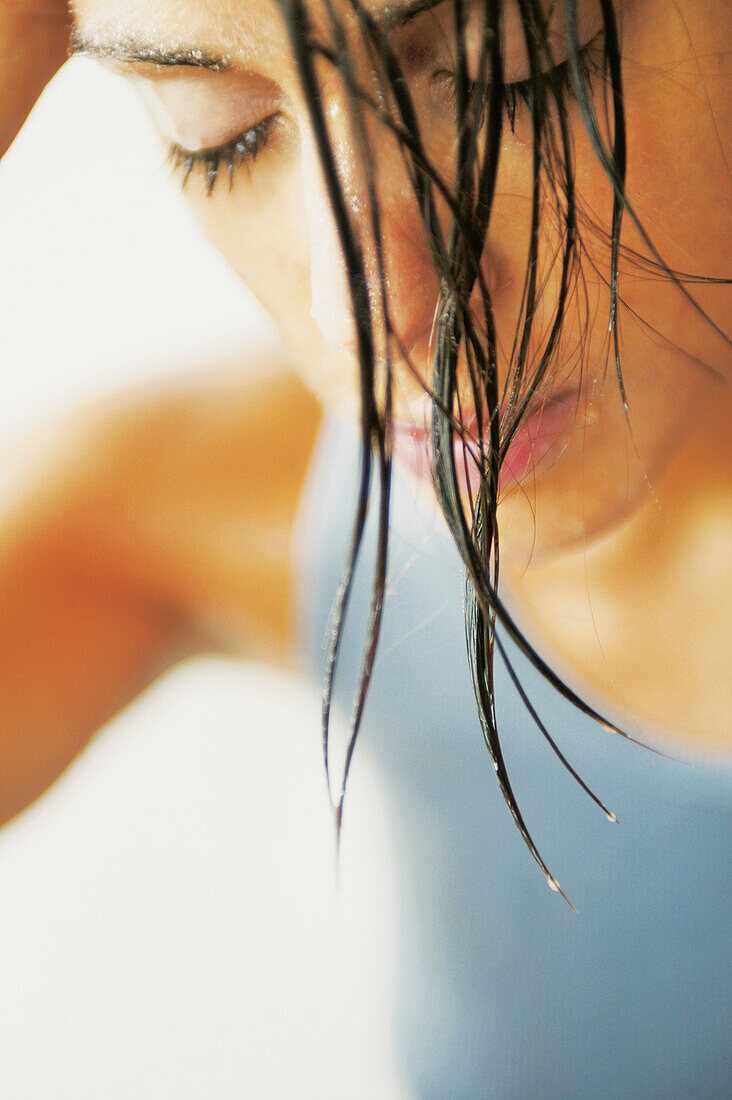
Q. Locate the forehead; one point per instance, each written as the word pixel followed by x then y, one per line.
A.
pixel 230 27
pixel 222 26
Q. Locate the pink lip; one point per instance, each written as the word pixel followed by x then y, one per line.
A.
pixel 538 435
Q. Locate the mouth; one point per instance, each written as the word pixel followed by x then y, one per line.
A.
pixel 538 439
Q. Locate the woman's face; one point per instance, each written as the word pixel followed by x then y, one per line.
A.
pixel 220 72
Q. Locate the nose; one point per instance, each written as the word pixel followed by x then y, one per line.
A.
pixel 411 281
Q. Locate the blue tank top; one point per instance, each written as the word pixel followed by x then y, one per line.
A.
pixel 502 991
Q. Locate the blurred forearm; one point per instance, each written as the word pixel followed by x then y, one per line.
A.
pixel 73 650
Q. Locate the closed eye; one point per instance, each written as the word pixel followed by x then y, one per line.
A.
pixel 241 151
pixel 518 93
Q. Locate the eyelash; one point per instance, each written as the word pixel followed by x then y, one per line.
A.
pixel 592 62
pixel 242 150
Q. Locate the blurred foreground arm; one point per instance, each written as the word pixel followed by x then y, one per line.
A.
pixel 165 527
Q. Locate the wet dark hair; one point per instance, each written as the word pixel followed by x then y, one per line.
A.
pixel 484 106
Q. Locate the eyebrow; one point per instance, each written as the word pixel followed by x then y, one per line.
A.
pixel 134 51
pixel 153 53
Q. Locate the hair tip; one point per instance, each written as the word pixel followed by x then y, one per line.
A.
pixel 557 889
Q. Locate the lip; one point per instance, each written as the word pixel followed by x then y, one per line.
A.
pixel 538 437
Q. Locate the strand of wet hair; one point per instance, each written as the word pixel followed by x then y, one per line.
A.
pixel 480 621
pixel 482 601
pixel 570 235
pixel 300 34
pixel 460 268
pixel 605 156
pixel 516 681
pixel 380 427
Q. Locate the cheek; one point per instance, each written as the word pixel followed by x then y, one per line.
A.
pixel 258 229
pixel 671 357
pixel 679 128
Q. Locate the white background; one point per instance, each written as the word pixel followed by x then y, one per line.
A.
pixel 170 925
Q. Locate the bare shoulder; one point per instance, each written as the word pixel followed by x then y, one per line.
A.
pixel 202 493
pixel 231 435
pixel 187 492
